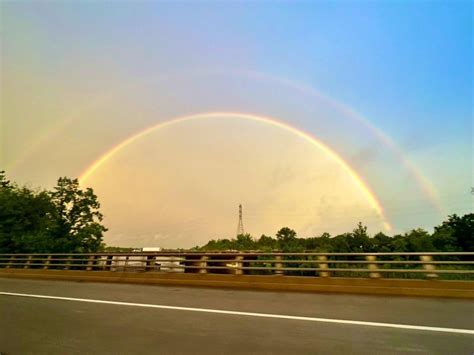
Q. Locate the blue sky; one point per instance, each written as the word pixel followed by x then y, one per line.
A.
pixel 392 60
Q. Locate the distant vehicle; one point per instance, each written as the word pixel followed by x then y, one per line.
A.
pixel 139 250
pixel 151 249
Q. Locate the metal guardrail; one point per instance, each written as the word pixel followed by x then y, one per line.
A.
pixel 421 265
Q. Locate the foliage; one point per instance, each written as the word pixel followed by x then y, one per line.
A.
pixel 455 234
pixel 111 249
pixel 66 219
pixel 78 216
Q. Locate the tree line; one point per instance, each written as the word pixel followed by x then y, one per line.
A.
pixel 64 220
pixel 67 219
pixel 456 234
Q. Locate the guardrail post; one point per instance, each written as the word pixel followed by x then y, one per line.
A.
pixel 278 265
pixel 125 263
pixel 68 262
pixel 238 265
pixel 102 261
pixel 323 265
pixel 203 264
pixel 47 262
pixel 90 262
pixel 10 262
pixel 429 267
pixel 28 262
pixel 150 263
pixel 171 264
pixel 108 262
pixel 373 274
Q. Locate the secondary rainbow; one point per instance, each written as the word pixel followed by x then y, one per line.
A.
pixel 371 197
pixel 422 181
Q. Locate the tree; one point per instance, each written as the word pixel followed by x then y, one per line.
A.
pixel 382 243
pixel 244 242
pixel 399 243
pixel 266 243
pixel 341 243
pixel 359 240
pixel 26 220
pixel 444 239
pixel 64 220
pixel 285 235
pixel 4 183
pixel 77 215
pixel 320 244
pixel 419 240
pixel 287 241
pixel 460 228
pixel 219 244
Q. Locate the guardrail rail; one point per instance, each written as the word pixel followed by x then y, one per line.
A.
pixel 419 265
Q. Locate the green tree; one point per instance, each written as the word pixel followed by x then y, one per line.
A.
pixel 266 243
pixel 285 235
pixel 418 240
pixel 461 229
pixel 341 243
pixel 64 220
pixel 320 244
pixel 359 240
pixel 287 241
pixel 382 243
pixel 4 183
pixel 444 239
pixel 245 242
pixel 78 216
pixel 399 243
pixel 219 244
pixel 26 220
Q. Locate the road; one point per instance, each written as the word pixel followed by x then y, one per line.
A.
pixel 95 318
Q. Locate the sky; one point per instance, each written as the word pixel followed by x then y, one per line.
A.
pixel 362 111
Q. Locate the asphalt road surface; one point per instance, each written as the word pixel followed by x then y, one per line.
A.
pixel 54 317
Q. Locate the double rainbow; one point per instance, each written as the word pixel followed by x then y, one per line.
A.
pixel 358 181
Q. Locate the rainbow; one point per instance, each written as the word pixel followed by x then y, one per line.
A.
pixel 422 181
pixel 371 197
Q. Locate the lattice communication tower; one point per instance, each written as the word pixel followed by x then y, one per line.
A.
pixel 240 226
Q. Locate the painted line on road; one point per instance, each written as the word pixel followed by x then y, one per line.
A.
pixel 250 314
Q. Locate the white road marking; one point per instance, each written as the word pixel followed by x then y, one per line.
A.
pixel 251 314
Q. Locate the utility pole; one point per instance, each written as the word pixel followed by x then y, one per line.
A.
pixel 240 226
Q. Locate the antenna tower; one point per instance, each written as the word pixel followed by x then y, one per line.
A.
pixel 240 227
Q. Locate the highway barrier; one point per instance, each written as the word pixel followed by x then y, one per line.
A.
pixel 373 265
pixel 424 274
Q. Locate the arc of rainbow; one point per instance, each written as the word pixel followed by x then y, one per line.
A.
pixel 422 181
pixel 360 183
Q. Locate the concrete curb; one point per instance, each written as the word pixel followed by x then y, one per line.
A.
pixel 391 287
